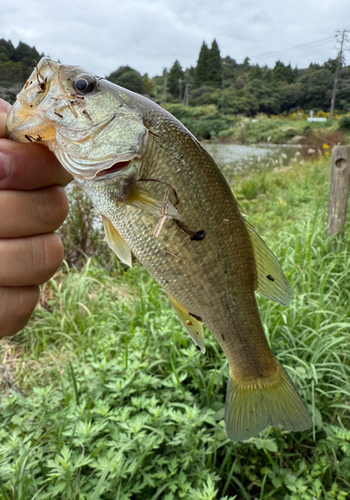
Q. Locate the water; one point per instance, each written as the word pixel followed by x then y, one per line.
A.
pixel 234 159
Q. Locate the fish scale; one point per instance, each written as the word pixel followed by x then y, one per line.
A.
pixel 193 279
pixel 210 280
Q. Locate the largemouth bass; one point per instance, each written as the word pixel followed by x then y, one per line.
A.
pixel 163 199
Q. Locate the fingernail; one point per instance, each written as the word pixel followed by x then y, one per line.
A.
pixel 4 166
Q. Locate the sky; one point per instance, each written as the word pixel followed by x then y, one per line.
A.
pixel 149 35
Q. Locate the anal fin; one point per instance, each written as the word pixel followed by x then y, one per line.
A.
pixel 193 326
pixel 117 243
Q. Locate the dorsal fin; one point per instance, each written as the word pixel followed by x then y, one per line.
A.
pixel 272 283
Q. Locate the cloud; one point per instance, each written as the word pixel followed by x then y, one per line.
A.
pixel 149 35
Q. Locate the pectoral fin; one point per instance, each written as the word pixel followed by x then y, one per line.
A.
pixel 272 283
pixel 151 203
pixel 193 326
pixel 117 243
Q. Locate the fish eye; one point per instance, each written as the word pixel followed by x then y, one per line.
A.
pixel 84 84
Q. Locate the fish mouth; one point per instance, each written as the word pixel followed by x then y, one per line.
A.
pixel 114 169
pixel 23 124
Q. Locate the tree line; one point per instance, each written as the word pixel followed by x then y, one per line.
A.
pixel 16 63
pixel 243 88
pixel 233 87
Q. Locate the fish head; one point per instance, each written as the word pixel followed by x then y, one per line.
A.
pixel 90 124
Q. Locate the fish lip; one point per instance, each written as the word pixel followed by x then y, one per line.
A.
pixel 20 121
pixel 83 169
pixel 13 121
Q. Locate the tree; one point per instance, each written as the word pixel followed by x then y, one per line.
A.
pixel 129 78
pixel 255 73
pixel 331 65
pixel 246 63
pixel 26 54
pixel 204 95
pixel 229 66
pixel 6 50
pixel 233 102
pixel 282 73
pixel 316 89
pixel 174 76
pixel 149 83
pixel 291 96
pixel 214 73
pixel 13 72
pixel 201 73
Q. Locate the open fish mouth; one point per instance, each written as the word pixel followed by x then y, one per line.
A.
pixel 114 169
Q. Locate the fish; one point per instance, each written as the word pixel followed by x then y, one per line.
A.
pixel 164 201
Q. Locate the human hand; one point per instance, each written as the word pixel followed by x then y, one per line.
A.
pixel 33 204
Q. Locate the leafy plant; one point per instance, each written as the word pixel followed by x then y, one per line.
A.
pixel 120 404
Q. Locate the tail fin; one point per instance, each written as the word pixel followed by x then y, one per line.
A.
pixel 252 407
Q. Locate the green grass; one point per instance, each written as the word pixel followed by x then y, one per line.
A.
pixel 283 131
pixel 120 404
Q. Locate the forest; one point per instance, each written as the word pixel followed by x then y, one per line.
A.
pixel 233 88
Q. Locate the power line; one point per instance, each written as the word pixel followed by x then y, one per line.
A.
pixel 296 47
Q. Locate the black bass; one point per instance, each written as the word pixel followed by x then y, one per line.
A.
pixel 164 200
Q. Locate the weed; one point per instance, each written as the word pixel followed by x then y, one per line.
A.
pixel 120 404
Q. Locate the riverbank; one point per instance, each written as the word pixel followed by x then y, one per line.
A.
pixel 207 123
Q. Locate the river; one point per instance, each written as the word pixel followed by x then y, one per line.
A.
pixel 235 160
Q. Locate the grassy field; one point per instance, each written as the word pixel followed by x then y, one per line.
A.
pixel 105 396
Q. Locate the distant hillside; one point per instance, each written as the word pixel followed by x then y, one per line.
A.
pixel 16 64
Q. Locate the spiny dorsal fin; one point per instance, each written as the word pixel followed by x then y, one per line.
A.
pixel 193 326
pixel 272 283
pixel 117 243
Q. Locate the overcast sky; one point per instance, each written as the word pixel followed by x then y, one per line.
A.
pixel 149 35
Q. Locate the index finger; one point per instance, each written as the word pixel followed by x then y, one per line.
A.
pixel 28 166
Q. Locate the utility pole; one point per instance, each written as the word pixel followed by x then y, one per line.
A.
pixel 187 93
pixel 165 78
pixel 340 58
